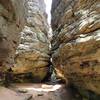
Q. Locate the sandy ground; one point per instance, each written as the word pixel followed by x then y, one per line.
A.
pixel 43 91
pixel 7 94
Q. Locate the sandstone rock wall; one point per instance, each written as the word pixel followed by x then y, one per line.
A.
pixel 32 54
pixel 11 23
pixel 76 42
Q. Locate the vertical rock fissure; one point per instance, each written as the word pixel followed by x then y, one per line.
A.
pixel 75 41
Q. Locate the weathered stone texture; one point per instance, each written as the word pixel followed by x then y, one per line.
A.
pixel 11 23
pixel 76 41
pixel 32 55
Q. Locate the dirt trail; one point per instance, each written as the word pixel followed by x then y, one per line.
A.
pixel 43 91
pixel 8 94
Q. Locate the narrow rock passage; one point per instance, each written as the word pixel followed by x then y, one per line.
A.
pixel 32 55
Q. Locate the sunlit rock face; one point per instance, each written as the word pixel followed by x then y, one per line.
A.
pixel 76 42
pixel 11 23
pixel 32 55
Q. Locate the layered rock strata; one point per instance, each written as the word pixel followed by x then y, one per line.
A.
pixel 11 23
pixel 76 42
pixel 32 54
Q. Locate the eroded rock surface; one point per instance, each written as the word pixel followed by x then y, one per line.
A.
pixel 76 42
pixel 11 23
pixel 32 55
